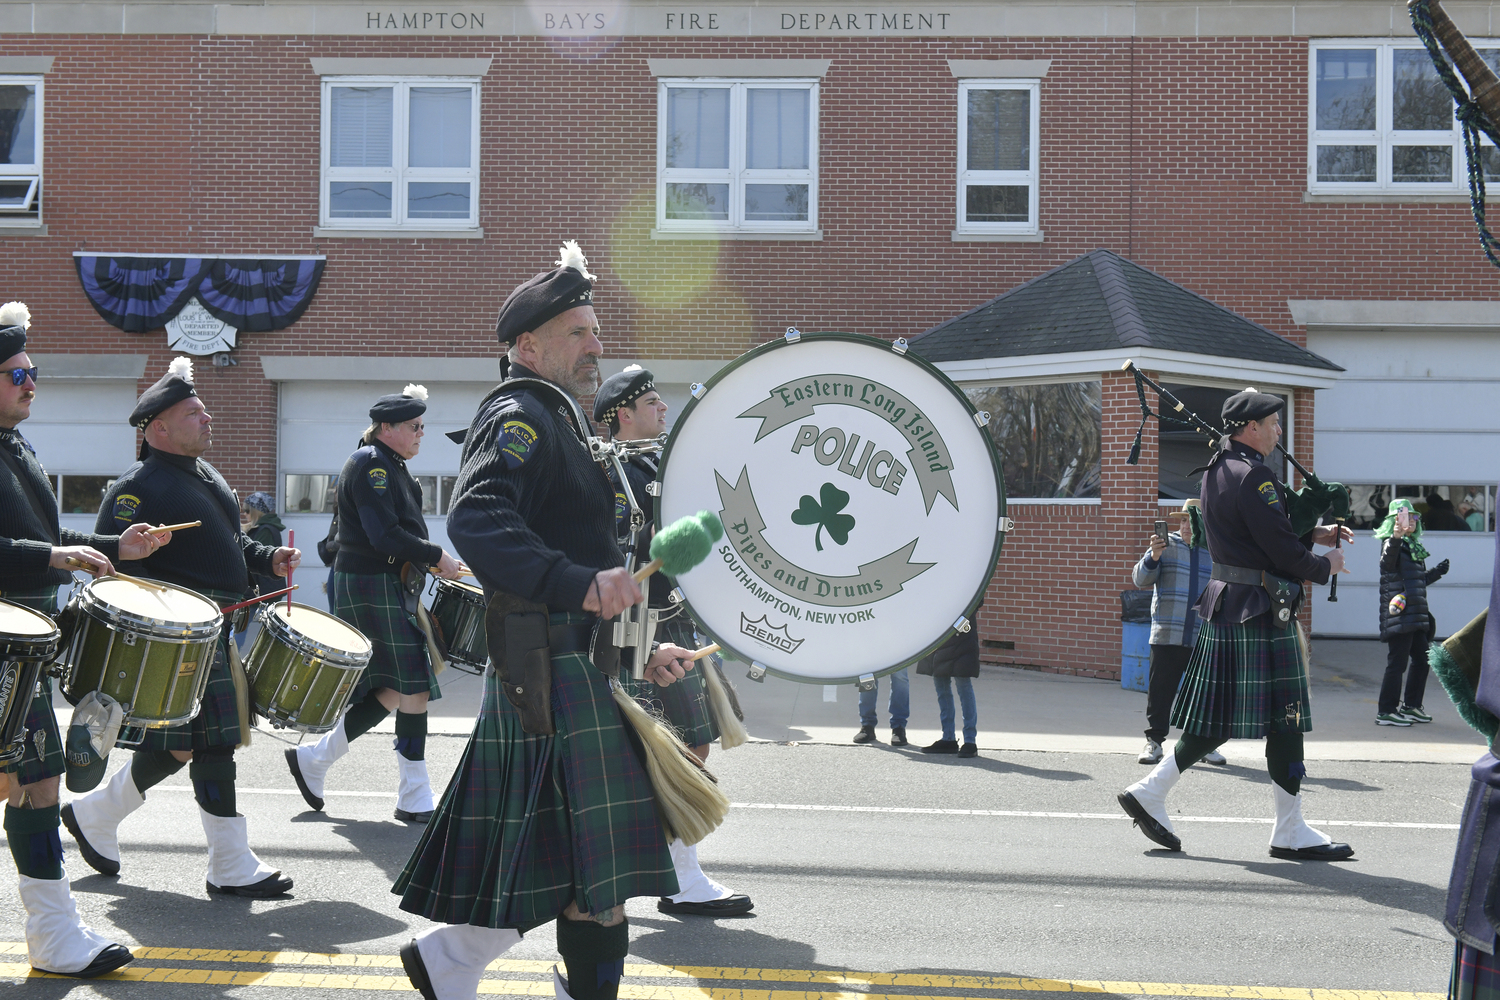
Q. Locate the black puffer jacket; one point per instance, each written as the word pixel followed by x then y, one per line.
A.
pixel 958 657
pixel 1401 574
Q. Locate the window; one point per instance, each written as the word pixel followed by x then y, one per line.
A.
pixel 20 147
pixel 80 494
pixel 1184 448
pixel 737 155
pixel 400 153
pixel 1443 508
pixel 1047 436
pixel 319 494
pixel 1382 120
pixel 997 156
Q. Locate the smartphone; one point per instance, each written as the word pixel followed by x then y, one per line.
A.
pixel 1160 527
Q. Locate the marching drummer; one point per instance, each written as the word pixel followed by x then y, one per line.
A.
pixel 172 483
pixel 35 554
pixel 537 827
pixel 383 539
pixel 634 411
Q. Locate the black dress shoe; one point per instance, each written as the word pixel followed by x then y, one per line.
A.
pixel 108 960
pixel 416 970
pixel 273 885
pixel 311 799
pixel 866 734
pixel 96 861
pixel 411 817
pixel 729 906
pixel 898 736
pixel 1321 852
pixel 941 746
pixel 969 750
pixel 1147 823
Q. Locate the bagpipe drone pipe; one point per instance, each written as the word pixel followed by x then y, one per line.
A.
pixel 1306 505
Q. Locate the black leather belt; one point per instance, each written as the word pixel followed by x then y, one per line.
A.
pixel 1238 574
pixel 572 638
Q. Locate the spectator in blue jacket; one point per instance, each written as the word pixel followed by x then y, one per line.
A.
pixel 1177 570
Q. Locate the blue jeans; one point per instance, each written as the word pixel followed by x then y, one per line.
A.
pixel 900 705
pixel 965 698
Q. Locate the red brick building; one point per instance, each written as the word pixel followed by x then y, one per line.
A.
pixel 733 170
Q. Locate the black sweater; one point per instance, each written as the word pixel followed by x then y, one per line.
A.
pixel 28 521
pixel 380 515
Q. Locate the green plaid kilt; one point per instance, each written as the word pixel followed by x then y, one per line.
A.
pixel 1475 975
pixel 683 704
pixel 1244 682
pixel 43 757
pixel 529 824
pixel 371 602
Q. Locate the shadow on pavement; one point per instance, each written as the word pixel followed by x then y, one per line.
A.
pixel 1343 878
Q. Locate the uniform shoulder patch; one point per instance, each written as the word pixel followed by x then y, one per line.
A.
pixel 1267 492
pixel 125 508
pixel 379 478
pixel 622 506
pixel 517 441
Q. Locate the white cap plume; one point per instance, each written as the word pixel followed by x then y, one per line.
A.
pixel 415 391
pixel 182 368
pixel 15 314
pixel 571 255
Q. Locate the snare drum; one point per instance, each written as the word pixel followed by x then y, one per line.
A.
pixel 28 641
pixel 458 611
pixel 149 647
pixel 303 666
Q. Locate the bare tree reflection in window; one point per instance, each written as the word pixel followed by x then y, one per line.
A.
pixel 1047 436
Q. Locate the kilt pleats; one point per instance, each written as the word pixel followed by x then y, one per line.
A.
pixel 684 704
pixel 1475 975
pixel 371 602
pixel 531 823
pixel 1244 681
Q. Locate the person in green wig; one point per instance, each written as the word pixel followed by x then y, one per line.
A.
pixel 1405 622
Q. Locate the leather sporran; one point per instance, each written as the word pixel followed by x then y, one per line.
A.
pixel 521 656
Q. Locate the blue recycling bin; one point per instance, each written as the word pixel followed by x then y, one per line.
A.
pixel 1135 640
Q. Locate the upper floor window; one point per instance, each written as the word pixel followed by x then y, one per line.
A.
pixel 737 155
pixel 400 153
pixel 997 156
pixel 1382 120
pixel 20 146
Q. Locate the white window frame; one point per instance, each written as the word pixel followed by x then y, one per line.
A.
pixel 1383 137
pixel 1010 178
pixel 737 176
pixel 398 174
pixel 13 171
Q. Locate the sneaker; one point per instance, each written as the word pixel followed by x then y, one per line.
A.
pixel 969 750
pixel 1392 719
pixel 941 746
pixel 1214 757
pixel 866 734
pixel 1151 754
pixel 1414 714
pixel 898 736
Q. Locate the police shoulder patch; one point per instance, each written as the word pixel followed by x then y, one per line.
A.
pixel 378 477
pixel 517 440
pixel 1267 491
pixel 125 507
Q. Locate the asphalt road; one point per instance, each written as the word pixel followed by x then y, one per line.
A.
pixel 858 858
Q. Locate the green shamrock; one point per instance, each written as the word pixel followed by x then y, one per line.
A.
pixel 827 515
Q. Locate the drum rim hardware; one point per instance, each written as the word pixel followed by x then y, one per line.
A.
pixel 38 653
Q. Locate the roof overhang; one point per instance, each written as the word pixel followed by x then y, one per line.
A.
pixel 1374 315
pixel 1090 363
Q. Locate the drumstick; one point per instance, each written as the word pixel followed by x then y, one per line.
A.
pixel 257 600
pixel 291 543
pixel 712 647
pixel 176 527
pixel 77 563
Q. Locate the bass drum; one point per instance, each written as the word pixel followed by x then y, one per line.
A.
pixel 862 501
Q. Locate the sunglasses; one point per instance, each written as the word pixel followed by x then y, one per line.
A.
pixel 416 426
pixel 18 376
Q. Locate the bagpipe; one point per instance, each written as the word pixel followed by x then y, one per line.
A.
pixel 1306 506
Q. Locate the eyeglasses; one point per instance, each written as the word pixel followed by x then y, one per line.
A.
pixel 416 425
pixel 18 376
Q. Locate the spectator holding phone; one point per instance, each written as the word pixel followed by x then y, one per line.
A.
pixel 1177 570
pixel 1405 622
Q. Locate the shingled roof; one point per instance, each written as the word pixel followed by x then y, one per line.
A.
pixel 1103 302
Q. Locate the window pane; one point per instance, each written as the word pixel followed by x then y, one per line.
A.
pixel 1440 505
pixel 17 194
pixel 698 201
pixel 994 203
pixel 776 129
pixel 999 130
pixel 776 202
pixel 446 486
pixel 1346 89
pixel 1490 157
pixel 311 494
pixel 359 132
pixel 429 493
pixel 1422 165
pixel 359 199
pixel 1048 437
pixel 83 494
pixel 1419 100
pixel 17 124
pixel 698 128
pixel 1182 449
pixel 1346 163
pixel 441 124
pixel 437 200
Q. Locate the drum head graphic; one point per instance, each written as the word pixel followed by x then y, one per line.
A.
pixel 862 504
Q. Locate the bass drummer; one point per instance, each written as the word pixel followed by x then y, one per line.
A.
pixel 381 530
pixel 35 554
pixel 173 484
pixel 634 411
